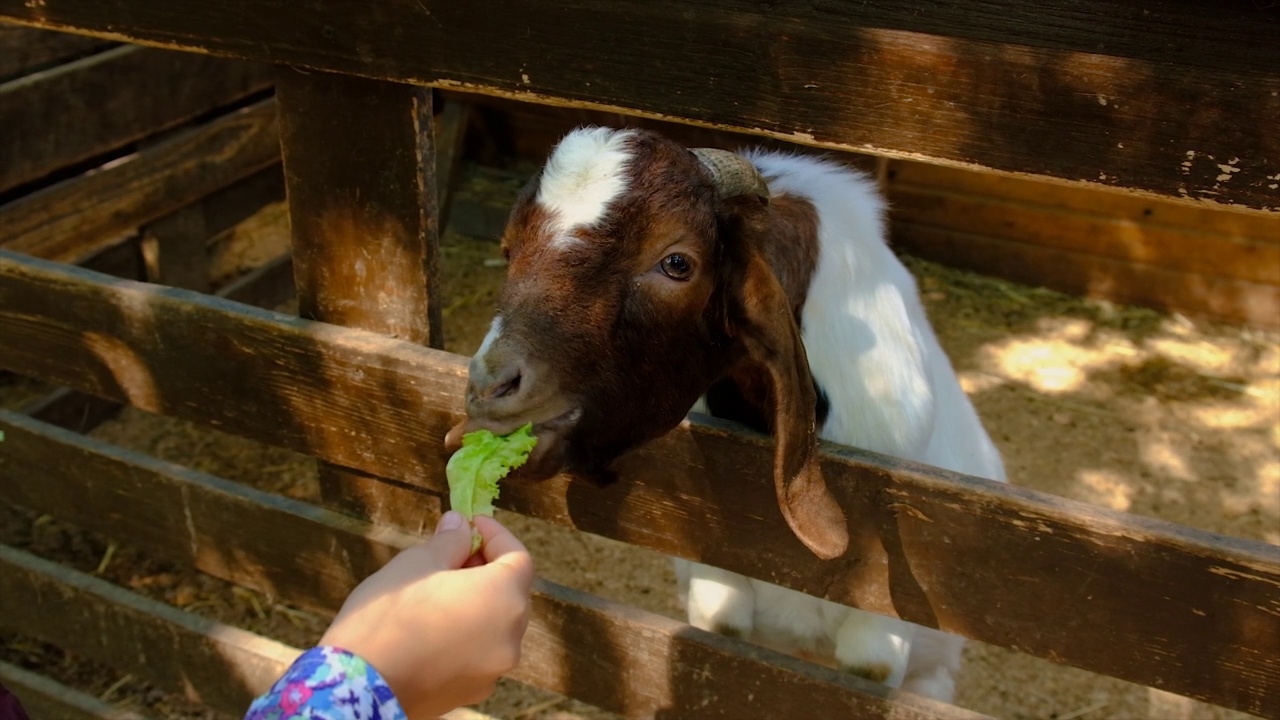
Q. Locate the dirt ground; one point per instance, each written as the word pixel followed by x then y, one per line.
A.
pixel 1125 408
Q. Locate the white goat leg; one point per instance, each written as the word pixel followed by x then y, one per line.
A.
pixel 716 600
pixel 875 647
pixel 935 661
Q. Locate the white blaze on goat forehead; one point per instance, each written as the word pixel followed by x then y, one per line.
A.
pixel 495 329
pixel 585 173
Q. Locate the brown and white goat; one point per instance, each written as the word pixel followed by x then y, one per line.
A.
pixel 646 279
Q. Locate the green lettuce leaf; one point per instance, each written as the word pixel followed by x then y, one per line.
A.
pixel 483 460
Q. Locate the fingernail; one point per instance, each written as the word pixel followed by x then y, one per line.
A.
pixel 451 520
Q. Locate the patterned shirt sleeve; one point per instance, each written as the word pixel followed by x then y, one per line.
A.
pixel 328 683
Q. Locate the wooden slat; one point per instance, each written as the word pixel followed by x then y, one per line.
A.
pixel 75 218
pixel 45 698
pixel 619 658
pixel 23 50
pixel 1092 90
pixel 1140 209
pixel 82 109
pixel 266 286
pixel 206 661
pixel 1191 249
pixel 1191 612
pixel 76 410
pixel 1194 293
pixel 360 164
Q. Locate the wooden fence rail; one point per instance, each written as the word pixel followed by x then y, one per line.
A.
pixel 77 217
pixel 1144 600
pixel 84 108
pixel 1093 90
pixel 45 698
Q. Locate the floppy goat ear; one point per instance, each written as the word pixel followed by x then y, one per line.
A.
pixel 761 318
pixel 768 332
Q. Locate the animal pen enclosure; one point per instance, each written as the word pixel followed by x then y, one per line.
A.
pixel 1096 92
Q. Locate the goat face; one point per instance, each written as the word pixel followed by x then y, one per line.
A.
pixel 635 282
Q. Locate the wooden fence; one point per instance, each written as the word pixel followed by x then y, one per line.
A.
pixel 1092 91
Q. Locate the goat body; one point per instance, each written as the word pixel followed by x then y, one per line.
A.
pixel 890 389
pixel 643 276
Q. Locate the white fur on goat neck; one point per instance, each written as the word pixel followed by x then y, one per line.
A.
pixel 892 390
pixel 584 175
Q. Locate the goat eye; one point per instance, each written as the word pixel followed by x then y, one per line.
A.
pixel 676 266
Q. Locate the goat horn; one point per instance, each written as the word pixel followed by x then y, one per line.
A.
pixel 732 174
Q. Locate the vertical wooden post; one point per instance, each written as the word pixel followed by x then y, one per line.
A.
pixel 173 249
pixel 359 167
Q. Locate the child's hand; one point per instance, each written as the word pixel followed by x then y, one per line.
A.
pixel 440 633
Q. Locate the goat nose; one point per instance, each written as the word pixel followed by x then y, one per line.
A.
pixel 490 390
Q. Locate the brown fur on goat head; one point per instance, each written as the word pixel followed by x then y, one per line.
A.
pixel 633 287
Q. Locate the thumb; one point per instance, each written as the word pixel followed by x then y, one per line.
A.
pixel 451 545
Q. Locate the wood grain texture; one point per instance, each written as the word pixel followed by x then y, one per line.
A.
pixel 266 286
pixel 77 217
pixel 1196 249
pixel 1191 612
pixel 24 50
pixel 1115 93
pixel 209 662
pixel 82 109
pixel 360 165
pixel 1090 275
pixel 45 698
pixel 613 656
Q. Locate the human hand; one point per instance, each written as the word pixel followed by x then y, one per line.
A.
pixel 439 624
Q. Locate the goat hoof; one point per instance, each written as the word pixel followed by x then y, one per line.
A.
pixel 875 673
pixel 729 631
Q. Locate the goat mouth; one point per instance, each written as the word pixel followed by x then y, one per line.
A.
pixel 548 455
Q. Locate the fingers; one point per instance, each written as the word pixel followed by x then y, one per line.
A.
pixel 451 545
pixel 502 548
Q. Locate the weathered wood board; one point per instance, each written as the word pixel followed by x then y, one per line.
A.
pixel 45 698
pixel 79 110
pixel 220 665
pixel 24 50
pixel 1149 96
pixel 1139 599
pixel 78 217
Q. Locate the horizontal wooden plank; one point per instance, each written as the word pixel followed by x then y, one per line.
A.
pixel 1163 602
pixel 1195 250
pixel 45 698
pixel 82 109
pixel 266 286
pixel 1090 91
pixel 615 657
pixel 1142 209
pixel 206 661
pixel 24 50
pixel 1190 292
pixel 77 217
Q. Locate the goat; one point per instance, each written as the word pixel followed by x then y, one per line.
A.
pixel 646 280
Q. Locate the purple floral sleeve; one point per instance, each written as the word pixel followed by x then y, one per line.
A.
pixel 328 683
